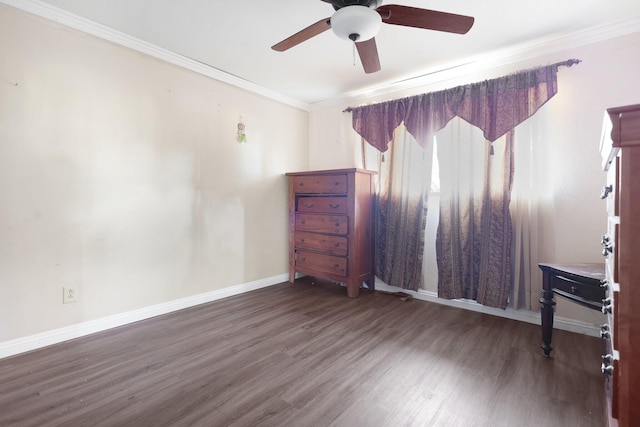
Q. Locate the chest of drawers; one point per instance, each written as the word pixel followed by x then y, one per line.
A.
pixel 331 226
pixel 620 149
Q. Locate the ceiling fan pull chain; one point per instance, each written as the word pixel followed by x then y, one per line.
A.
pixel 354 53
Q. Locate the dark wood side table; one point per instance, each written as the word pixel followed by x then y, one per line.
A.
pixel 583 284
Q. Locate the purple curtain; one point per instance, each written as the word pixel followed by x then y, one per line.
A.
pixel 496 106
pixel 474 232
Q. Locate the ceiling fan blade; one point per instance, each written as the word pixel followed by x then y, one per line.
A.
pixel 368 52
pixel 303 35
pixel 424 18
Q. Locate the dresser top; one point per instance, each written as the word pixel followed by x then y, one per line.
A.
pixel 332 172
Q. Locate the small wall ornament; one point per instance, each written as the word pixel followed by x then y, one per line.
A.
pixel 241 136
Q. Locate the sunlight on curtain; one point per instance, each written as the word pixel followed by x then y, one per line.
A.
pixel 530 199
pixel 474 235
pixel 403 182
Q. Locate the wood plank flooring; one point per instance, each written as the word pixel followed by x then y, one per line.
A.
pixel 306 355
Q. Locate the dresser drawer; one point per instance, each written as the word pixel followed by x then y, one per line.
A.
pixel 322 184
pixel 330 224
pixel 323 205
pixel 321 263
pixel 333 245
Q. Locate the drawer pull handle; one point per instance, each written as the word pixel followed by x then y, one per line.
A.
pixel 336 183
pixel 606 370
pixel 604 284
pixel 302 240
pixel 336 244
pixel 607 246
pixel 604 332
pixel 302 221
pixel 607 306
pixel 336 266
pixel 607 364
pixel 606 190
pixel 309 205
pixel 334 205
pixel 337 224
pixel 300 184
pixel 574 288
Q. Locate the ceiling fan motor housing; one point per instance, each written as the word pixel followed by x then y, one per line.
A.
pixel 356 23
pixel 339 4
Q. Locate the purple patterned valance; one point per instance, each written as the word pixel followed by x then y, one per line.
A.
pixel 496 106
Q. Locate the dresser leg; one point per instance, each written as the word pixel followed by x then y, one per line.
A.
pixel 353 289
pixel 546 314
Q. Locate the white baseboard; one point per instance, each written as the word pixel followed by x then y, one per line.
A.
pixel 510 313
pixel 33 342
pixel 44 339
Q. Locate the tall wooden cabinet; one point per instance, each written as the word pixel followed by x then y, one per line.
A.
pixel 621 247
pixel 331 226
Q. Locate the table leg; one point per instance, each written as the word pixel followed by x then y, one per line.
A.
pixel 546 314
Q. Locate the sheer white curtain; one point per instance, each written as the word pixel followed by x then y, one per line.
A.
pixel 401 209
pixel 474 241
pixel 531 201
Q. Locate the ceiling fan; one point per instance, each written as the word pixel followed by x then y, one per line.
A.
pixel 360 20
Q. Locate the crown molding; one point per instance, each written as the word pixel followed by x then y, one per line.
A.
pixel 436 75
pixel 487 61
pixel 76 22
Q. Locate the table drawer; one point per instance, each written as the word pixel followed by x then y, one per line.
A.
pixel 323 205
pixel 330 224
pixel 333 245
pixel 580 292
pixel 321 263
pixel 323 184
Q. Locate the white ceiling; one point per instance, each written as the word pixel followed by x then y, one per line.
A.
pixel 235 36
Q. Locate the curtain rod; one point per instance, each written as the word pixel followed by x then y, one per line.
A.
pixel 567 63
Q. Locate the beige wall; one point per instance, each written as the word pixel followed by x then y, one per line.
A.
pixel 120 175
pixel 607 77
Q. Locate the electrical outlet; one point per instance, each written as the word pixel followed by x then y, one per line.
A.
pixel 69 295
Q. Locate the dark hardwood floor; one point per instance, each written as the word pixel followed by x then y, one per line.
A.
pixel 306 355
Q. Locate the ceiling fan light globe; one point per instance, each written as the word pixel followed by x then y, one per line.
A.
pixel 356 20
